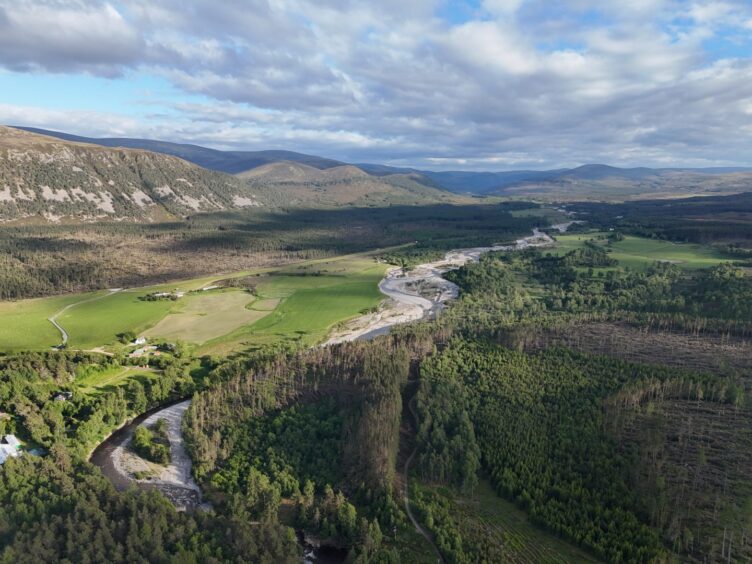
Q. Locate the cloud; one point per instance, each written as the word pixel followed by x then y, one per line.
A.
pixel 516 83
pixel 67 36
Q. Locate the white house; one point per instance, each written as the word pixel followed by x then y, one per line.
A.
pixel 139 341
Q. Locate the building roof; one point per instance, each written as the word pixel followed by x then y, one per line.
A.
pixel 11 440
pixel 6 452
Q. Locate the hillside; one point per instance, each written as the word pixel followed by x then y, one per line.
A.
pixel 53 179
pixel 601 182
pixel 231 162
pixel 296 184
pixel 587 182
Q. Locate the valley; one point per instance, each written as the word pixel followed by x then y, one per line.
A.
pixel 385 370
pixel 375 283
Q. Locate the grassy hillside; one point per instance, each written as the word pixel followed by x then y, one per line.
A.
pixel 295 184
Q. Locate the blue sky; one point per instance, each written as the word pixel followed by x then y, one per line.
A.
pixel 483 85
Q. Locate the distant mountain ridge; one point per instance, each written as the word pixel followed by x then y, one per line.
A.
pixel 590 181
pixel 56 179
pixel 230 162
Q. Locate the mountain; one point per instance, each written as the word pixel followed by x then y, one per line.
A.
pixel 296 184
pixel 55 179
pixel 46 177
pixel 591 181
pixel 607 183
pixel 231 162
pixel 587 182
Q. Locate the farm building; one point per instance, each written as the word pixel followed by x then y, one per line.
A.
pixel 9 448
pixel 139 341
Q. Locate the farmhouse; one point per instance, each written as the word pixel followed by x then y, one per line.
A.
pixel 139 341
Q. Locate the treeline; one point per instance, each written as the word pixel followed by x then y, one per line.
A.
pixel 717 299
pixel 706 220
pixel 297 425
pixel 39 260
pixel 29 383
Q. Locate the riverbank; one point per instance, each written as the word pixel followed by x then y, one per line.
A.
pixel 422 292
pixel 124 468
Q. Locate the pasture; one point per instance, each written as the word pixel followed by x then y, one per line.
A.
pixel 94 381
pixel 638 253
pixel 298 302
pixel 311 300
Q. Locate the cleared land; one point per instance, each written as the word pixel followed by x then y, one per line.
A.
pixel 96 381
pixel 296 303
pixel 638 252
pixel 203 317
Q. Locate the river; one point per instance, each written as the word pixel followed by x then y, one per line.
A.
pixel 422 292
pixel 412 295
pixel 174 480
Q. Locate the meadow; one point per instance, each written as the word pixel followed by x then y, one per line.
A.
pixel 93 381
pixel 299 302
pixel 638 253
pixel 307 301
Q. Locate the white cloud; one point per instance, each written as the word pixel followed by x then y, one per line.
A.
pixel 520 82
pixel 72 35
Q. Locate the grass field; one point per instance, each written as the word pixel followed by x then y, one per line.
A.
pixel 299 302
pixel 203 317
pixel 24 324
pixel 638 253
pixel 95 381
pixel 311 300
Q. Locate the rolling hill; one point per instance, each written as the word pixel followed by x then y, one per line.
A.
pixel 588 182
pixel 231 162
pixel 297 184
pixel 56 180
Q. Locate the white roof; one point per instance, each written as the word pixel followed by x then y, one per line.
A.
pixel 12 441
pixel 6 452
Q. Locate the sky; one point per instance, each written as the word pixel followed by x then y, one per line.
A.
pixel 433 84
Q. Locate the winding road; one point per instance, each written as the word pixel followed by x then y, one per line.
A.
pixel 63 332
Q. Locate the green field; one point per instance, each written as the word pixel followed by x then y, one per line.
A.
pixel 205 316
pixel 299 302
pixel 311 300
pixel 94 381
pixel 24 324
pixel 638 252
